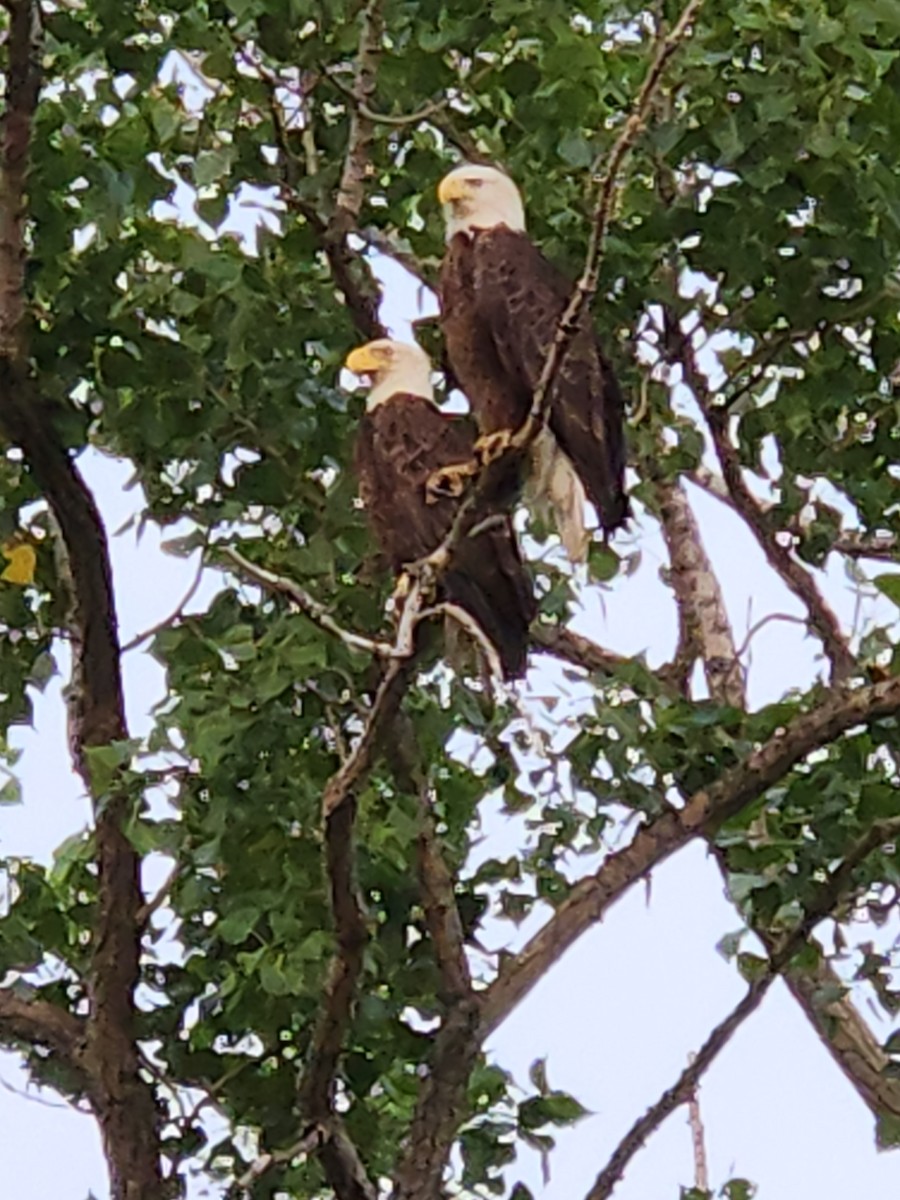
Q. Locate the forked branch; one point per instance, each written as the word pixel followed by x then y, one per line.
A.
pixel 829 895
pixel 592 897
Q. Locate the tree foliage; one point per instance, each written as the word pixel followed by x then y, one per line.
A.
pixel 768 162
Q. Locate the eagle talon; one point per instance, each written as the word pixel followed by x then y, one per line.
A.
pixel 449 482
pixel 398 596
pixel 491 446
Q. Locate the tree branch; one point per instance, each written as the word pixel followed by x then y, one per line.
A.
pixel 590 898
pixel 23 85
pixel 439 904
pixel 336 1010
pixel 576 649
pixel 27 1019
pixel 885 546
pixel 706 628
pixel 843 1032
pixel 581 297
pixel 441 1107
pixel 821 617
pixel 362 300
pixel 829 894
pixel 308 605
pixel 123 1102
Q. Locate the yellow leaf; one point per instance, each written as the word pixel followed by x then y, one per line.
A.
pixel 22 561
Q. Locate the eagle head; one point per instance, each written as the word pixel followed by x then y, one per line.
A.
pixel 392 368
pixel 480 197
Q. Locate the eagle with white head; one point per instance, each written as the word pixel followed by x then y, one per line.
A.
pixel 501 303
pixel 403 445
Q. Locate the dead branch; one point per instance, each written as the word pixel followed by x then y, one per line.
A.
pixel 173 616
pixel 829 894
pixel 705 627
pixel 308 605
pixel 821 616
pixel 439 904
pixel 590 898
pixel 698 1139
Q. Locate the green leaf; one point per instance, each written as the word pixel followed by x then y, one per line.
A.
pixel 889 585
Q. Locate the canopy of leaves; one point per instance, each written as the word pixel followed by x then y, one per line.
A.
pixel 770 165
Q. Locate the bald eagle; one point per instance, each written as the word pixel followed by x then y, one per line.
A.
pixel 501 302
pixel 403 441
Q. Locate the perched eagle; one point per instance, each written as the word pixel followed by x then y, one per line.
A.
pixel 501 302
pixel 403 440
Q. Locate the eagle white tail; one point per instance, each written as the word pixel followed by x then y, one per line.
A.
pixel 556 486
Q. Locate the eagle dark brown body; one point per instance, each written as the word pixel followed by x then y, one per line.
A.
pixel 400 444
pixel 501 302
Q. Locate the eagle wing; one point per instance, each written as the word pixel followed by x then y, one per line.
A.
pixel 399 446
pixel 521 297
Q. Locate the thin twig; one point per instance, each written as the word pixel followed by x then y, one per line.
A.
pixel 698 1139
pixel 146 911
pixel 177 612
pixel 310 606
pixel 829 894
pixel 761 624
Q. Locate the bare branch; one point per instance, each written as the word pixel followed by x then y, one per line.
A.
pixel 698 1139
pixel 829 894
pixel 821 616
pixel 173 616
pixel 590 898
pixel 146 911
pixel 705 627
pixel 308 605
pixel 761 624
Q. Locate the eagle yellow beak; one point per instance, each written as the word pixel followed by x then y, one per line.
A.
pixel 453 188
pixel 363 360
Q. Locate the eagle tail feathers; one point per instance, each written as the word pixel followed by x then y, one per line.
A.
pixel 558 488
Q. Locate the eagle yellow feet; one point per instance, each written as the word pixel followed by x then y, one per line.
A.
pixel 449 482
pixel 490 446
pixel 398 596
